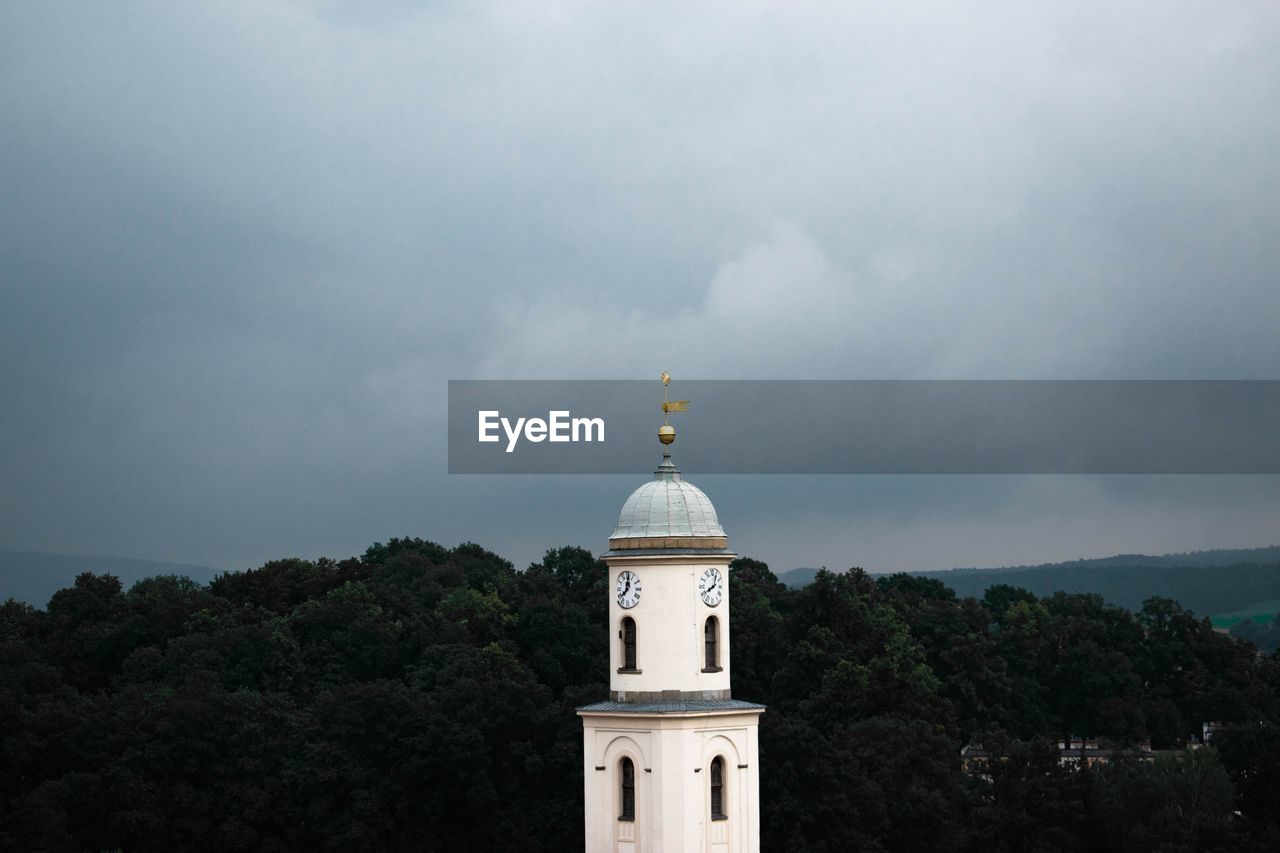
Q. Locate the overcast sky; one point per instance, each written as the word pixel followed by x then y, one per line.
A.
pixel 244 245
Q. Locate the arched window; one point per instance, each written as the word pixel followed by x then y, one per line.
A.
pixel 717 789
pixel 628 643
pixel 711 634
pixel 627 776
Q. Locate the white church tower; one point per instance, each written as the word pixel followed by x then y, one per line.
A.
pixel 670 760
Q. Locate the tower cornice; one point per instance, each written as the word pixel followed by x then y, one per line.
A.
pixel 672 557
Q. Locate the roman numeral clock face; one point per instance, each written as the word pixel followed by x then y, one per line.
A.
pixel 711 587
pixel 628 590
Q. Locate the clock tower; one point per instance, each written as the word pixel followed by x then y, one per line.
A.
pixel 670 759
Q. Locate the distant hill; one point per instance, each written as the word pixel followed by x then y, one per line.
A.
pixel 34 576
pixel 1205 589
pixel 1207 582
pixel 797 578
pixel 1261 612
pixel 1215 557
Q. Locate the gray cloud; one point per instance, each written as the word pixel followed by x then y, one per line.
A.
pixel 242 248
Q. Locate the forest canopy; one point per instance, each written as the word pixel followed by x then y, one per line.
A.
pixel 420 697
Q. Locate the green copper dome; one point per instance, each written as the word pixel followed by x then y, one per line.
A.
pixel 667 506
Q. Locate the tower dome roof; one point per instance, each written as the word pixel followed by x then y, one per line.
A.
pixel 668 512
pixel 667 508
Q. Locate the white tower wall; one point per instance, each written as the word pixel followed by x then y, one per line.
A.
pixel 670 622
pixel 672 754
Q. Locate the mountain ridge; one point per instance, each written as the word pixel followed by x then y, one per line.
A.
pixel 34 576
pixel 1209 557
pixel 1206 582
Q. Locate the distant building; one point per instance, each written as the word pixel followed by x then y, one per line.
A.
pixel 1077 751
pixel 1208 730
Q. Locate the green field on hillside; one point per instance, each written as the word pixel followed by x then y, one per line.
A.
pixel 1261 612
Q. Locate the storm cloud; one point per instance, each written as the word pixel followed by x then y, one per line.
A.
pixel 243 247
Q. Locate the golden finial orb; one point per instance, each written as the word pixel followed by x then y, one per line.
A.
pixel 666 433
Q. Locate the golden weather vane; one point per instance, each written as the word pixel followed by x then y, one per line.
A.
pixel 669 406
pixel 666 432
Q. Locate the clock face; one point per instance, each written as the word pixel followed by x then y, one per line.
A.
pixel 628 590
pixel 711 587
